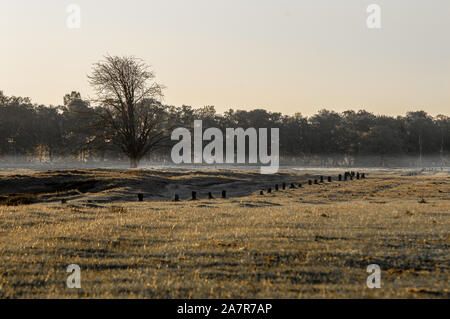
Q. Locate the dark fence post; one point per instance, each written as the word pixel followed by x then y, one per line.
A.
pixel 340 177
pixel 276 187
pixel 269 190
pixel 210 195
pixel 141 197
pixel 363 175
pixel 194 195
pixel 224 194
pixel 315 182
pixel 283 186
pixel 309 182
pixel 321 179
pixel 261 193
pixel 329 179
pixel 176 198
pixel 292 186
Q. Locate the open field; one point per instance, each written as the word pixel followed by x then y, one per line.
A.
pixel 315 241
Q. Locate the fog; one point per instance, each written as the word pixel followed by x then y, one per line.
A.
pixel 427 163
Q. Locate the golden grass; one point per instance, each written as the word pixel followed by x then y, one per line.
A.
pixel 311 242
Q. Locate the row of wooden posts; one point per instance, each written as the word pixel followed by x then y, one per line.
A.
pixel 340 177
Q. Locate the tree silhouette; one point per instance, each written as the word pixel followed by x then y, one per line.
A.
pixel 130 104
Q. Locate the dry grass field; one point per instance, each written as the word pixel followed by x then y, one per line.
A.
pixel 310 242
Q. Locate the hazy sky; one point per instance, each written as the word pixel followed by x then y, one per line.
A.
pixel 286 56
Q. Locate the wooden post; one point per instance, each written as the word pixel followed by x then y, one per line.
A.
pixel 363 175
pixel 329 179
pixel 340 177
pixel 176 198
pixel 261 193
pixel 141 197
pixel 321 179
pixel 224 194
pixel 357 175
pixel 315 182
pixel 194 195
pixel 309 182
pixel 292 186
pixel 210 195
pixel 269 190
pixel 276 187
pixel 283 186
pixel 300 185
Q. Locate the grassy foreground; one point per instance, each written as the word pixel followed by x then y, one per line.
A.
pixel 316 242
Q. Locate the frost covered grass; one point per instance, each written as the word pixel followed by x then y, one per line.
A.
pixel 310 242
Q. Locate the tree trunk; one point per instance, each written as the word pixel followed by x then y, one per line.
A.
pixel 134 162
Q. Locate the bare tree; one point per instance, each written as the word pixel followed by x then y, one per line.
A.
pixel 130 105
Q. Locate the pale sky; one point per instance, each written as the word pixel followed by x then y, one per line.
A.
pixel 282 55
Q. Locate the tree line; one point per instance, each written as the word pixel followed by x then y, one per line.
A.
pixel 128 121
